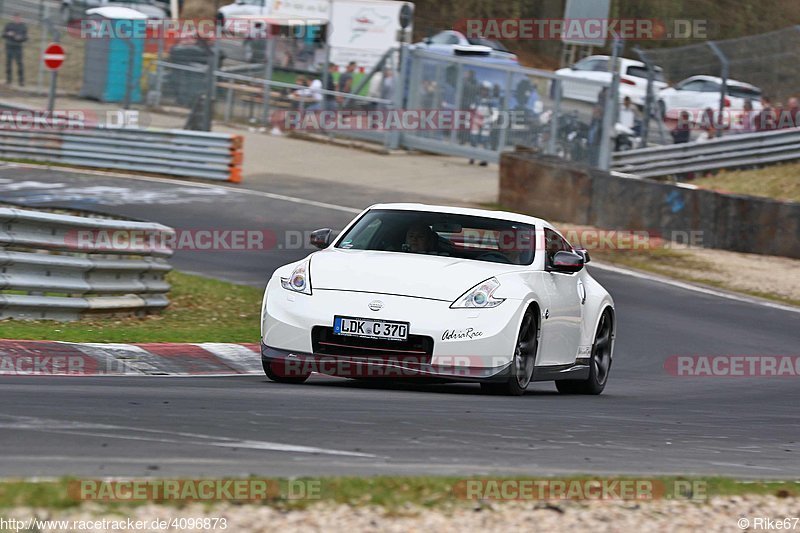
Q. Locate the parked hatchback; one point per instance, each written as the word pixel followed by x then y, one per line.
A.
pixel 576 80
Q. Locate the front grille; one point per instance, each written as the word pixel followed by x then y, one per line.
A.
pixel 416 349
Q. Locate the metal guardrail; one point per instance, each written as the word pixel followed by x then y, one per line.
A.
pixel 62 267
pixel 733 151
pixel 216 156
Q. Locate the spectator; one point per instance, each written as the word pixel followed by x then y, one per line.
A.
pixel 469 90
pixel 330 99
pixel 310 94
pixel 766 118
pixel 429 90
pixel 303 83
pixel 382 86
pixel 792 118
pixel 594 133
pixel 375 84
pixel 315 91
pixel 346 81
pixel 15 34
pixel 748 122
pixel 387 84
pixel 708 134
pixel 683 129
pixel 483 115
pixel 525 114
pixel 469 94
pixel 629 115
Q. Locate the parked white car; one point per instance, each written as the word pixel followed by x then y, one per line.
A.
pixel 243 8
pixel 448 293
pixel 697 93
pixel 633 79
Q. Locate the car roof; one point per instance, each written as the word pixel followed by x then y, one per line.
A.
pixel 717 79
pixel 486 213
pixel 623 60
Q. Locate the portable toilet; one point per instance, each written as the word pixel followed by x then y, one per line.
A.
pixel 112 66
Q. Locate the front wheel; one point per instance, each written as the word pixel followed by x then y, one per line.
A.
pixel 599 363
pixel 524 360
pixel 277 372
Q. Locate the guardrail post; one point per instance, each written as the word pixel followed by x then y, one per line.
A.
pixel 501 140
pixel 51 98
pixel 268 77
pixel 126 99
pixel 648 101
pixel 211 87
pixel 155 99
pixel 609 114
pixel 458 102
pixel 394 137
pixel 551 142
pixel 725 65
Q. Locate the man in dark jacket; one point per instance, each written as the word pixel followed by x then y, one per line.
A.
pixel 15 33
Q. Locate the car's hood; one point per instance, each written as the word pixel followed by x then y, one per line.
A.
pixel 406 274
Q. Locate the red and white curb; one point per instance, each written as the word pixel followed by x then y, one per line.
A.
pixel 55 358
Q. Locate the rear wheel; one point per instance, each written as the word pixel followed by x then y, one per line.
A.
pixel 599 363
pixel 524 360
pixel 276 371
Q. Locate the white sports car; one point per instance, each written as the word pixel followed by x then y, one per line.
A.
pixel 456 294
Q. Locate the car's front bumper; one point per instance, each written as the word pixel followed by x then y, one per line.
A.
pixel 293 364
pixel 483 339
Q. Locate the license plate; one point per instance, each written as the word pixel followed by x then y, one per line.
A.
pixel 370 328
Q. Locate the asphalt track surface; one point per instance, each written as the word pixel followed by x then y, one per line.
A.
pixel 646 422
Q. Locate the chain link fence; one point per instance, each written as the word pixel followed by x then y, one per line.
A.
pixel 506 106
pixel 767 60
pixel 274 84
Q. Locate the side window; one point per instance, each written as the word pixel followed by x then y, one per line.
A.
pixel 554 243
pixel 711 87
pixel 586 64
pixel 695 85
pixel 601 65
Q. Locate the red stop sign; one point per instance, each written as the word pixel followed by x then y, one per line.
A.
pixel 53 56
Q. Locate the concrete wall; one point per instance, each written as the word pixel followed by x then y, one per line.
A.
pixel 553 189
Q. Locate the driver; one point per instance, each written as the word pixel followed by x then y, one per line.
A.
pixel 420 239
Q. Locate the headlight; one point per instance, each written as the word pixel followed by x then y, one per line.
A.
pixel 479 296
pixel 299 281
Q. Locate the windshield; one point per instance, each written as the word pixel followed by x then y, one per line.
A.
pixel 444 234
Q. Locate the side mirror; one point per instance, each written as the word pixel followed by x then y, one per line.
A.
pixel 567 262
pixel 427 40
pixel 321 238
pixel 583 252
